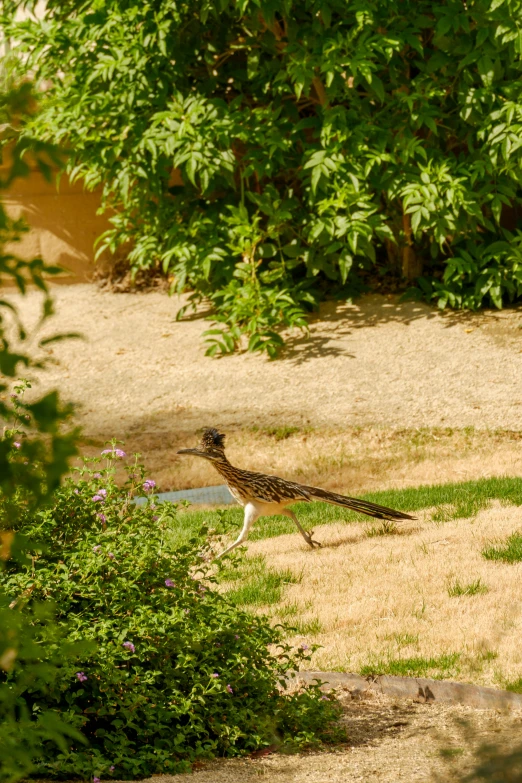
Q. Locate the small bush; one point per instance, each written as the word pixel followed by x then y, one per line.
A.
pixel 510 552
pixel 178 673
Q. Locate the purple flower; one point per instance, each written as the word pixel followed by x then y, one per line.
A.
pixel 325 698
pixel 236 636
pixel 96 475
pixel 97 498
pixel 14 396
pixel 96 549
pixel 304 647
pixel 81 676
pixel 17 445
pixel 102 517
pixel 155 518
pixel 148 485
pixel 110 556
pixel 129 646
pixel 169 583
pixel 76 491
pixel 112 768
pixel 229 688
pixel 215 675
pixel 96 780
pixel 113 453
pixel 102 492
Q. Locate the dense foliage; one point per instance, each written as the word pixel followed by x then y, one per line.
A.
pixel 176 672
pixel 315 140
pixel 114 659
pixel 34 454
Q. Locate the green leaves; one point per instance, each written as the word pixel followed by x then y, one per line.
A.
pixel 243 152
pixel 480 275
pixel 163 656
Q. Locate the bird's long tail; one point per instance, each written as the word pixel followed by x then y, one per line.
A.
pixel 362 506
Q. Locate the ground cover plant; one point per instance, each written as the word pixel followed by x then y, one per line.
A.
pixel 268 156
pixel 176 672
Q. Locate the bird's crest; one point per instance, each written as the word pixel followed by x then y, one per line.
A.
pixel 212 440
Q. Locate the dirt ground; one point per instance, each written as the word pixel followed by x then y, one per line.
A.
pixel 387 742
pixel 379 394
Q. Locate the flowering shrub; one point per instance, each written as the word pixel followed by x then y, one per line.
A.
pixel 34 454
pixel 175 672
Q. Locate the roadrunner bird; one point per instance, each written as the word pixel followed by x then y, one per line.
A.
pixel 267 496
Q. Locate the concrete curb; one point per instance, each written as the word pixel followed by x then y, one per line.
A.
pixel 419 689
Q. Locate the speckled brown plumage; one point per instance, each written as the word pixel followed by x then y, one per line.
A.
pixel 265 495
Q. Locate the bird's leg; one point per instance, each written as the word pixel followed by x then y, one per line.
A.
pixel 307 536
pixel 251 514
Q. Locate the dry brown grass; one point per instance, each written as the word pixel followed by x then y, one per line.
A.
pixel 354 460
pixel 386 597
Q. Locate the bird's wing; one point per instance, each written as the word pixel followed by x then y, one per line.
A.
pixel 272 489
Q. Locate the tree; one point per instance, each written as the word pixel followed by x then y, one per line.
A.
pixel 315 140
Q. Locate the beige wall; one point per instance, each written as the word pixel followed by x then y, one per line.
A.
pixel 63 223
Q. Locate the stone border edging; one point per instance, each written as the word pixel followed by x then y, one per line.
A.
pixel 419 689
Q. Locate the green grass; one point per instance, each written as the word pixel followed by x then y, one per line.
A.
pixel 281 433
pixel 515 686
pixel 455 500
pixel 288 611
pixel 473 588
pixel 385 528
pixel 305 627
pixel 509 552
pixel 436 668
pixel 404 639
pixel 259 584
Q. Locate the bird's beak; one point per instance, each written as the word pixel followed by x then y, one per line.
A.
pixel 194 452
